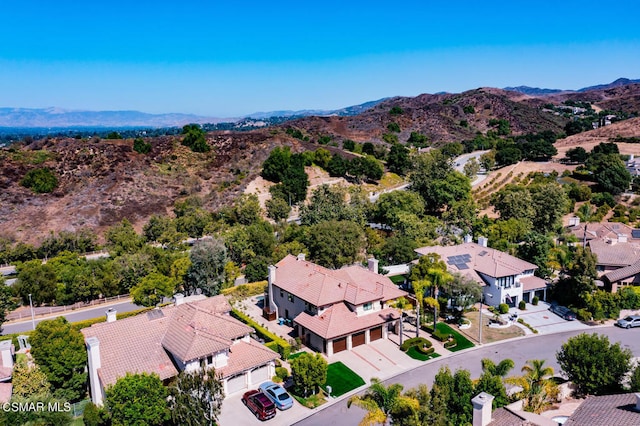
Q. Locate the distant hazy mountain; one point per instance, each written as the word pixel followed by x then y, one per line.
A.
pixel 533 91
pixel 618 82
pixel 57 117
pixel 347 111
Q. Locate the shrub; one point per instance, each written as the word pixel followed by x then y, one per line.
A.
pixel 396 110
pixel 277 379
pixel 245 290
pixel 503 308
pixel 282 372
pixel 450 343
pixel 583 314
pixel 141 147
pixel 40 181
pixel 278 344
pixel 425 350
pixel 415 341
pixel 440 336
pixel 535 300
pixel 522 305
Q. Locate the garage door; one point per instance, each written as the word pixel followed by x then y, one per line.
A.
pixel 375 333
pixel 339 345
pixel 259 375
pixel 236 383
pixel 357 339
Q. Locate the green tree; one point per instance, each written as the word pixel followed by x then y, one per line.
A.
pixel 488 160
pixel 129 269
pixel 460 289
pixel 155 227
pixel 206 272
pixel 337 166
pixel 59 351
pixel 321 157
pixel 7 302
pixel 276 164
pixel 471 168
pixel 122 238
pixel 40 181
pixel 309 372
pixel 609 172
pixel 137 400
pixel 514 201
pixel 277 208
pixel 247 209
pixel 576 155
pixel 334 243
pixel 295 180
pixel 193 137
pixel 38 279
pixel 257 268
pixel 196 398
pixel 634 380
pixel 329 203
pixel 550 203
pixel 418 140
pixel 452 395
pixel 398 160
pixel 535 249
pixel 435 180
pixel 29 380
pixel 152 289
pixel 382 402
pixel 593 364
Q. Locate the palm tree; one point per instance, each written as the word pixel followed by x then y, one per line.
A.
pixel 538 390
pixel 381 402
pixel 500 370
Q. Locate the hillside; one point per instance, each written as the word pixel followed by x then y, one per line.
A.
pixel 441 117
pixel 103 181
pixel 626 129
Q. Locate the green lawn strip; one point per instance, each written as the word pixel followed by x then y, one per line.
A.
pixel 312 401
pixel 397 279
pixel 414 353
pixel 341 379
pixel 463 342
pixel 296 355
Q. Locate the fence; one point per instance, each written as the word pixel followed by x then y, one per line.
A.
pixel 48 310
pixel 77 408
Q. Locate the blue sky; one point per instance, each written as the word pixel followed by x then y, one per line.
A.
pixel 226 59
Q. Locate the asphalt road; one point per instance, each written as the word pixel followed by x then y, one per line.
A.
pixel 72 316
pixel 519 350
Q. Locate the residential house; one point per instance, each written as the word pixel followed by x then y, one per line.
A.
pixel 333 310
pixel 504 278
pixel 182 337
pixel 6 370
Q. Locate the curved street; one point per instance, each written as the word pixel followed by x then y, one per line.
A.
pixel 519 350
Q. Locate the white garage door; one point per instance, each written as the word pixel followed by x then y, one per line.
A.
pixel 236 383
pixel 259 375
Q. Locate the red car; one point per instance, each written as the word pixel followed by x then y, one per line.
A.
pixel 259 404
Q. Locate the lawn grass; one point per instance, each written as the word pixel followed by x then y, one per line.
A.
pixel 312 401
pixel 397 279
pixel 414 353
pixel 341 379
pixel 463 342
pixel 296 355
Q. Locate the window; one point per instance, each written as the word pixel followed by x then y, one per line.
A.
pixel 290 297
pixel 367 306
pixel 281 294
pixel 210 360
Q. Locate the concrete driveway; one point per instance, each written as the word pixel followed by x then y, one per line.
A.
pixel 545 321
pixel 235 413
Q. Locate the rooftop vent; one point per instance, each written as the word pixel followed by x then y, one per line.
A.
pixel 155 314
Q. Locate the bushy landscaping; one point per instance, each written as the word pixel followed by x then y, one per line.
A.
pixel 420 354
pixel 341 379
pixel 454 341
pixel 273 342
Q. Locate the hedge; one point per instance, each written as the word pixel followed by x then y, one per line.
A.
pixel 425 351
pixel 450 344
pixel 281 346
pixel 441 336
pixel 415 341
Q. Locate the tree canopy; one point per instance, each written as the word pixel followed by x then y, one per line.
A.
pixel 137 399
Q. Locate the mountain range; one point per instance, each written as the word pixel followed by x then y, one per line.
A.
pixel 25 118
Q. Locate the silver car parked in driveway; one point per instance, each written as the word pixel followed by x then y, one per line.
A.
pixel 629 321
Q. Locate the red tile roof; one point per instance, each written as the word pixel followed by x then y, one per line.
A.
pixel 339 320
pixel 532 283
pixel 618 410
pixel 245 355
pixel 6 390
pixel 321 286
pixel 190 331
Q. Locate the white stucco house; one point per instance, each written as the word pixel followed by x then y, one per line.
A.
pixel 504 278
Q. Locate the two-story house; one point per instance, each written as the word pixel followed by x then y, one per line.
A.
pixel 181 337
pixel 333 310
pixel 504 278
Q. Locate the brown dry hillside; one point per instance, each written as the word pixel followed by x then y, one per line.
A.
pixel 587 140
pixel 103 181
pixel 621 98
pixel 441 117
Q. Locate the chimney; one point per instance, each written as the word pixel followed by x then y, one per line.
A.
pixel 271 280
pixel 94 364
pixel 637 401
pixel 574 221
pixel 301 256
pixel 622 238
pixel 6 351
pixel 482 409
pixel 373 265
pixel 111 315
pixel 178 299
pixel 482 241
pixel 468 238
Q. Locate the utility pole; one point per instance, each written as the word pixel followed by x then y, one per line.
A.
pixel 33 320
